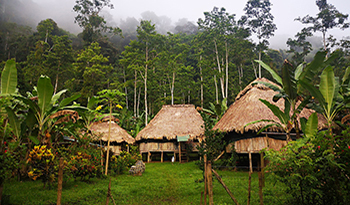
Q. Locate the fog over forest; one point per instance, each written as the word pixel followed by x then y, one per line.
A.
pixel 165 14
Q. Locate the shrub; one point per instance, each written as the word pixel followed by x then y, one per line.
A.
pixel 316 170
pixel 42 164
pixel 83 165
pixel 125 160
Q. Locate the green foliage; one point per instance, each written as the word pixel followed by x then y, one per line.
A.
pixel 9 78
pixel 8 160
pixel 315 169
pixel 84 165
pixel 122 163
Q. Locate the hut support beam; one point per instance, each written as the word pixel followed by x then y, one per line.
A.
pixel 250 162
pixel 148 156
pixel 161 157
pixel 180 152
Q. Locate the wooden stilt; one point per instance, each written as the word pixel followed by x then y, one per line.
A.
pixel 108 192
pixel 161 157
pixel 262 169
pixel 250 162
pixel 148 156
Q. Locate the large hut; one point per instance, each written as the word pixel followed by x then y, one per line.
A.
pixel 248 108
pixel 119 137
pixel 173 127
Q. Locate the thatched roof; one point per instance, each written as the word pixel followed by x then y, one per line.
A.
pixel 118 134
pixel 248 108
pixel 172 121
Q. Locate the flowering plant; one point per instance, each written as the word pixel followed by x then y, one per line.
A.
pixel 84 165
pixel 42 164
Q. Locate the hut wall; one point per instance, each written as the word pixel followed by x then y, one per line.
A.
pixel 256 144
pixel 158 146
pixel 163 146
pixel 116 149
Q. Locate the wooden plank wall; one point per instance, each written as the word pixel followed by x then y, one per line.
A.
pixel 256 144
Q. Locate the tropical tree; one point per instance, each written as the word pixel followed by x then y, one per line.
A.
pixel 328 18
pixel 259 20
pixel 88 17
pixel 218 28
pixel 111 97
pixel 300 47
pixel 291 91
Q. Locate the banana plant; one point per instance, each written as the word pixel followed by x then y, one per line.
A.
pixel 290 83
pixel 46 109
pixel 329 100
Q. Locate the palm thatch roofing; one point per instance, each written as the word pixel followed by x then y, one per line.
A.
pixel 118 134
pixel 172 121
pixel 248 108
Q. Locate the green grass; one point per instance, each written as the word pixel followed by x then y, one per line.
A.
pixel 161 183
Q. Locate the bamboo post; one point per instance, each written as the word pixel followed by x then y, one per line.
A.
pixel 210 184
pixel 109 137
pixel 249 186
pixel 205 180
pixel 148 156
pixel 108 192
pixel 60 179
pixel 260 189
pixel 161 157
pixel 224 185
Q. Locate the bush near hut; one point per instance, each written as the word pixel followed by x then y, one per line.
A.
pixel 42 164
pixel 125 160
pixel 84 165
pixel 315 170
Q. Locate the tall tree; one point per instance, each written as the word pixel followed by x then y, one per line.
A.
pixel 218 28
pixel 300 47
pixel 259 19
pixel 328 18
pixel 89 19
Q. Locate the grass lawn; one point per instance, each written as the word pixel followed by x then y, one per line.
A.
pixel 161 183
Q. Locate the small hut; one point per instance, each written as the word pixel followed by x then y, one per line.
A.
pixel 248 108
pixel 172 127
pixel 119 137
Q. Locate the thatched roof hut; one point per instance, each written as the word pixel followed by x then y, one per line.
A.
pixel 170 123
pixel 118 135
pixel 248 108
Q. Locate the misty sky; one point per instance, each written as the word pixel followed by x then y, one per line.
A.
pixel 284 11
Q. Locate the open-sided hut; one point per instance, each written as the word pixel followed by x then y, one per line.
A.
pixel 248 108
pixel 119 137
pixel 173 126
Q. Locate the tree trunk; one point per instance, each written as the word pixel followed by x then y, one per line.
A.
pixel 172 89
pixel 135 94
pixel 126 90
pixel 145 81
pixel 56 83
pixel 220 71
pixel 138 103
pixel 201 74
pixel 259 64
pixel 216 90
pixel 226 89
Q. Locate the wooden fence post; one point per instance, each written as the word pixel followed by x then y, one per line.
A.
pixel 210 184
pixel 249 186
pixel 108 192
pixel 60 179
pixel 260 189
pixel 205 180
pixel 224 185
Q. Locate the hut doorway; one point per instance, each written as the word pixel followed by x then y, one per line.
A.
pixel 243 161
